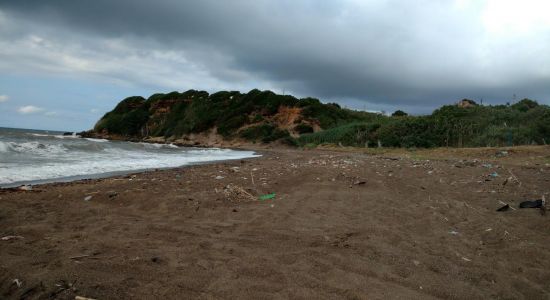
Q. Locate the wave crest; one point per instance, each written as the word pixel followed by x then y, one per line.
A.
pixel 31 147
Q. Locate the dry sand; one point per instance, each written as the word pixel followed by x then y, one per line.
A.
pixel 343 225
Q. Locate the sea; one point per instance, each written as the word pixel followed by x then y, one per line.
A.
pixel 39 156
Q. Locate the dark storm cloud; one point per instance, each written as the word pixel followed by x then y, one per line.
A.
pixel 415 53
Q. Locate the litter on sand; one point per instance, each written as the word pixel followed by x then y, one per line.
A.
pixel 17 282
pixel 505 204
pixel 11 237
pixel 237 194
pixel 531 204
pixel 25 188
pixel 504 208
pixel 82 298
pixel 267 196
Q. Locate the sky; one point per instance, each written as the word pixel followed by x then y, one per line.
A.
pixel 65 63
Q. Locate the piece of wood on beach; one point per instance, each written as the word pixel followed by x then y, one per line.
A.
pixel 79 256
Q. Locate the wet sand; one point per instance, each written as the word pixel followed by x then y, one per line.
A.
pixel 343 225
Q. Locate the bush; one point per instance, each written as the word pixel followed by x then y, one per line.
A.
pixel 399 113
pixel 303 128
pixel 266 133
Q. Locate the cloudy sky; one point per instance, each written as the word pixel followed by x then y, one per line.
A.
pixel 64 63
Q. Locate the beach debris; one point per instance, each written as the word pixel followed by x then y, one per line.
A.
pixel 494 174
pixel 63 285
pixel 87 198
pixel 236 193
pixel 79 256
pixel 83 298
pixel 453 232
pixel 513 178
pixel 155 259
pixel 235 169
pixel 531 204
pixel 488 229
pixel 25 187
pixel 267 196
pixel 487 165
pixel 504 203
pixel 416 262
pixel 11 237
pixel 466 259
pixel 504 208
pixel 17 282
pixel 112 194
pixel 359 182
pixel 219 177
pixel 501 153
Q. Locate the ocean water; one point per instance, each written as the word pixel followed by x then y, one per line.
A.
pixel 36 156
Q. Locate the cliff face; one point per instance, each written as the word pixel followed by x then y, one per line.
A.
pixel 224 117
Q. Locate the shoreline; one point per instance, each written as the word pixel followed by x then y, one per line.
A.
pixel 342 224
pixel 210 140
pixel 22 183
pixel 113 174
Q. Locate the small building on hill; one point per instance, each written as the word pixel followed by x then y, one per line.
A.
pixel 466 103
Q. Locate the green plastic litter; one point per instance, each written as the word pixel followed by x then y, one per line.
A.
pixel 268 196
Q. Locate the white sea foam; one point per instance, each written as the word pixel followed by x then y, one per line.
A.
pixel 36 148
pixel 72 136
pixel 97 140
pixel 118 160
pixel 48 158
pixel 4 147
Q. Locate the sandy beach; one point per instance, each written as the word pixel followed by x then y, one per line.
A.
pixel 343 224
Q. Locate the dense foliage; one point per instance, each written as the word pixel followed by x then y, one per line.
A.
pixel 255 116
pixel 176 114
pixel 525 122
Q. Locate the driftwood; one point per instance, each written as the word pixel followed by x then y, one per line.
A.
pixel 79 256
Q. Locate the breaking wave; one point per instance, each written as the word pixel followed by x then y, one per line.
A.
pixel 31 147
pixel 39 157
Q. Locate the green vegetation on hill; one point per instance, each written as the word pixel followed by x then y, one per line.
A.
pixel 525 122
pixel 176 114
pixel 263 116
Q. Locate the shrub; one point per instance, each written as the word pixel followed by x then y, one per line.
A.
pixel 303 128
pixel 265 132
